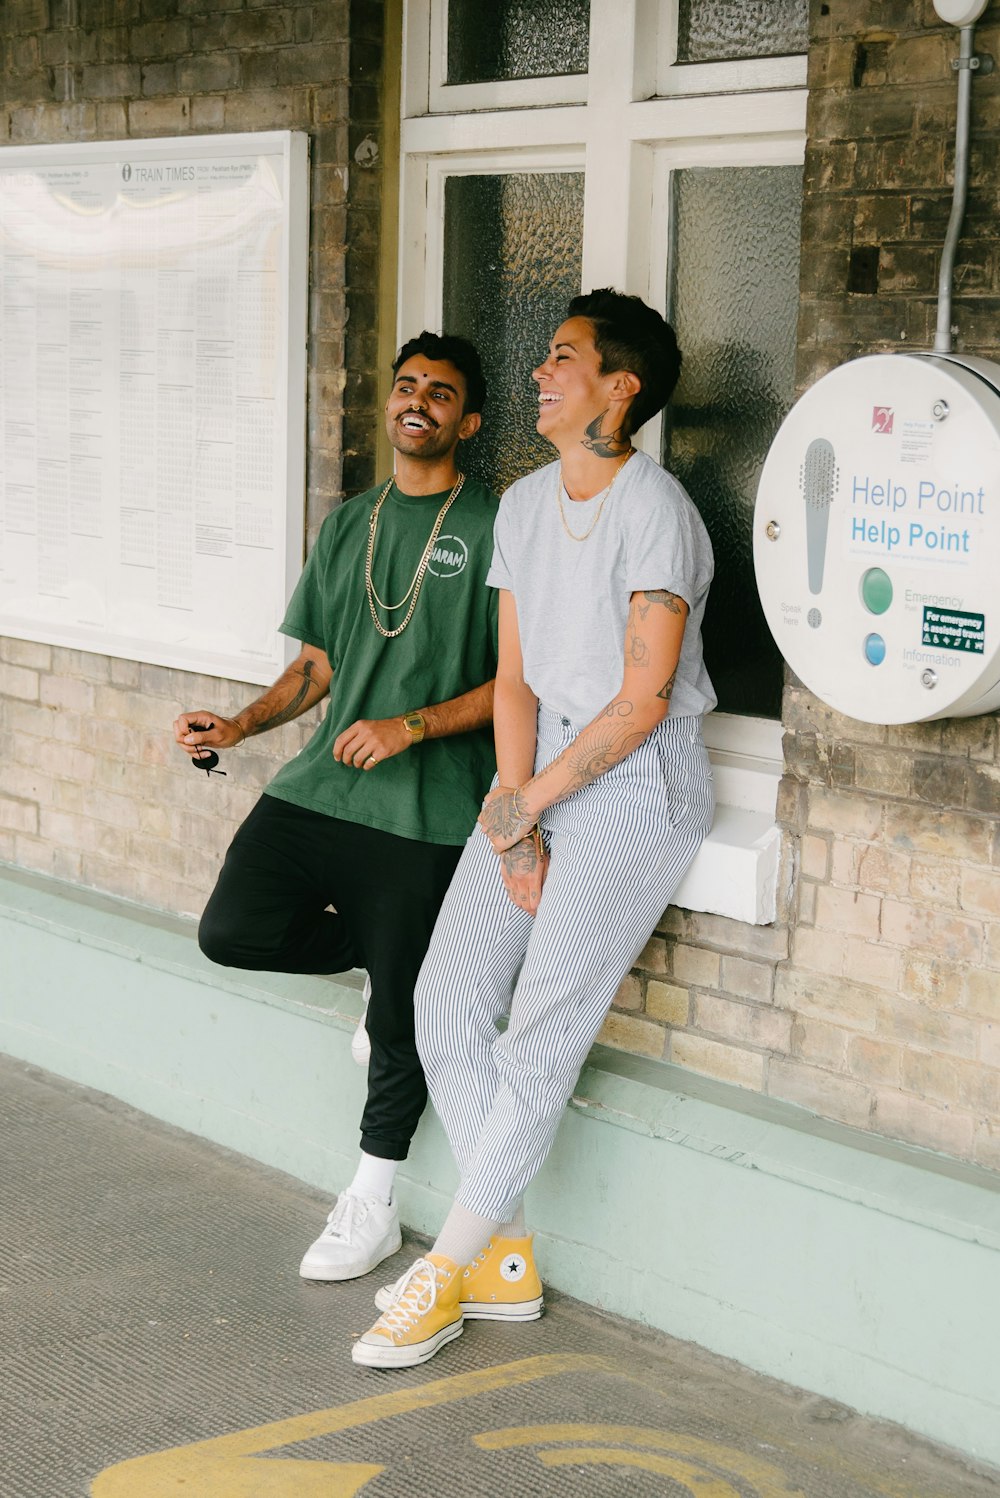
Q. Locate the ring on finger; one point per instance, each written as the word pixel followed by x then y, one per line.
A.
pixel 371 760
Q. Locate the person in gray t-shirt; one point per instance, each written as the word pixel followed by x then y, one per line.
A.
pixel 603 798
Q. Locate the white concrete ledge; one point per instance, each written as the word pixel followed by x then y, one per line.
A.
pixel 860 1269
pixel 735 871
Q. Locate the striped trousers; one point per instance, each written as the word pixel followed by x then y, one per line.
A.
pixel 618 849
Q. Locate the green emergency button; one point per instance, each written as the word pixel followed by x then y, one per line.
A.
pixel 876 590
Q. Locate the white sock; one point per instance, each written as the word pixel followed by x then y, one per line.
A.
pixel 516 1227
pixel 463 1235
pixel 374 1177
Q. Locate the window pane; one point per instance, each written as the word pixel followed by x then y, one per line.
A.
pixel 511 263
pixel 713 30
pixel 516 39
pixel 733 298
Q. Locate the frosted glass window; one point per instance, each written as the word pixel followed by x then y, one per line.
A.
pixel 516 39
pixel 511 263
pixel 733 299
pixel 714 30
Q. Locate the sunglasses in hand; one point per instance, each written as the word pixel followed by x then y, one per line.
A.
pixel 206 759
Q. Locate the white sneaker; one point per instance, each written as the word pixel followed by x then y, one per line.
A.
pixel 386 1296
pixel 361 1046
pixel 360 1232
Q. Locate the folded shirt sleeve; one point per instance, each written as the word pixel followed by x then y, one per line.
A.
pixel 499 575
pixel 668 548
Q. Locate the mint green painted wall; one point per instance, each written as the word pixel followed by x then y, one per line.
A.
pixel 861 1270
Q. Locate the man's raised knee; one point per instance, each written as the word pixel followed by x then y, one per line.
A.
pixel 219 941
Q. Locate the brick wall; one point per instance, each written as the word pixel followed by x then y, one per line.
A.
pixel 876 998
pixel 92 789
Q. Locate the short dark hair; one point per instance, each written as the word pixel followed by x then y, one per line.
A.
pixel 458 351
pixel 631 336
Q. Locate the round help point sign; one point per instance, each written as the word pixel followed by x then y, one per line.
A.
pixel 877 538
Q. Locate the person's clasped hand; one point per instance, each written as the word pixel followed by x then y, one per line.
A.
pixel 504 817
pixel 523 869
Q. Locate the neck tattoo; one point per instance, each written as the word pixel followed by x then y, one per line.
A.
pixel 605 446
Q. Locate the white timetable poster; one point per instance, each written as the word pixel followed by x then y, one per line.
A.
pixel 152 397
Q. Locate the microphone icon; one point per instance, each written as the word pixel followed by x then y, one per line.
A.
pixel 818 481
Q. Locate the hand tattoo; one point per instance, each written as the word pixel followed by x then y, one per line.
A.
pixel 614 445
pixel 522 858
pixel 502 818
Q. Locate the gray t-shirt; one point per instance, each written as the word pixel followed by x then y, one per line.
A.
pixel 573 597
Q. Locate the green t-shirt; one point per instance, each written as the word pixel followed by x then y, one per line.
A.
pixel 433 791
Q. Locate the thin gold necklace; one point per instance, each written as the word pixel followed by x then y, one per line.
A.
pixel 413 591
pixel 562 513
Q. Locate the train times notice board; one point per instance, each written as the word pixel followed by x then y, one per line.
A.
pixel 152 397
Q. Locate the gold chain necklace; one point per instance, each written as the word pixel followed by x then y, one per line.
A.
pixel 413 591
pixel 562 513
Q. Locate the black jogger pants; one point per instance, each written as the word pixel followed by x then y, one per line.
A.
pixel 269 912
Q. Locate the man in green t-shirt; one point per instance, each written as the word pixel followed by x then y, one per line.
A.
pixel 346 857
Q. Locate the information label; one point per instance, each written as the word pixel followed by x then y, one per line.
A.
pixel 152 375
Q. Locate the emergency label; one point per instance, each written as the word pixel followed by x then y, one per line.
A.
pixel 954 629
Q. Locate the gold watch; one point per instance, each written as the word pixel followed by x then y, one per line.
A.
pixel 415 726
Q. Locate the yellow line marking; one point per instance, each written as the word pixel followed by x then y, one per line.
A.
pixel 225 1466
pixel 693 1478
pixel 218 1468
pixel 179 1474
pixel 770 1481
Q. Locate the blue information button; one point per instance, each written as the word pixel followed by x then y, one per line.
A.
pixel 874 649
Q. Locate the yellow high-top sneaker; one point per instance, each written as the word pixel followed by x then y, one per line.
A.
pixel 423 1316
pixel 501 1284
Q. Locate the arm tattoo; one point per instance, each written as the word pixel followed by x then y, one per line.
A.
pixel 612 445
pixel 600 747
pixel 636 649
pixel 668 686
pixel 291 709
pixel 670 601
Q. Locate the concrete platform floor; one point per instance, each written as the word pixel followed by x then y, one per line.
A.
pixel 155 1340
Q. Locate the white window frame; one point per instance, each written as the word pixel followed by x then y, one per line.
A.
pixel 634 121
pixel 741 75
pixel 657 72
pixel 568 88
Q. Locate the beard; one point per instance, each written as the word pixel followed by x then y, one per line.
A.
pixel 432 444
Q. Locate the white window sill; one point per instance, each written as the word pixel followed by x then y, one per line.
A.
pixel 735 872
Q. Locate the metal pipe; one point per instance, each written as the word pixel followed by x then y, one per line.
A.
pixel 942 336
